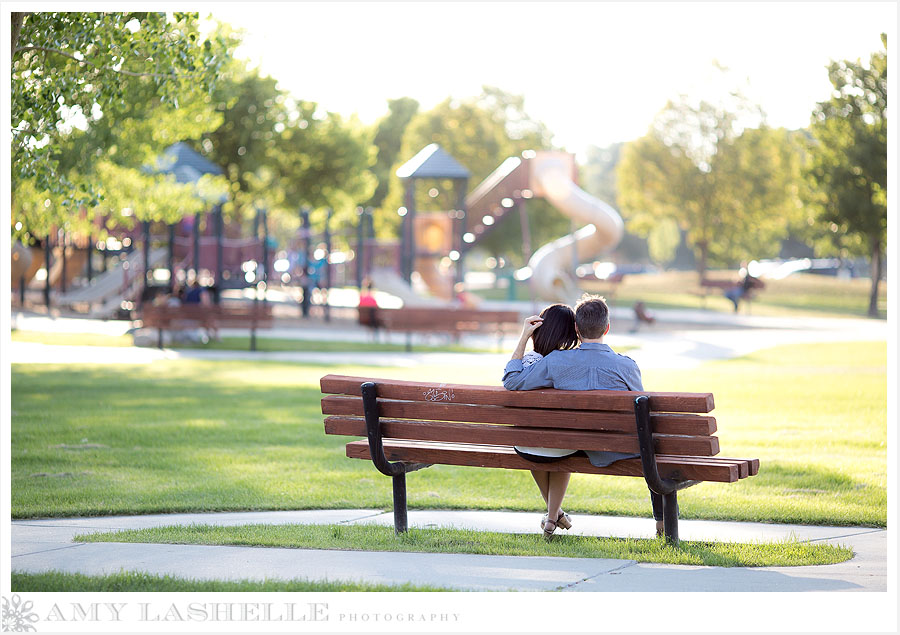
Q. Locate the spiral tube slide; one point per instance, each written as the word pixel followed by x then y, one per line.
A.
pixel 553 264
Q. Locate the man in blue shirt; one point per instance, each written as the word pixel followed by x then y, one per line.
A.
pixel 591 366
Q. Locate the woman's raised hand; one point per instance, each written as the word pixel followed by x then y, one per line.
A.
pixel 530 325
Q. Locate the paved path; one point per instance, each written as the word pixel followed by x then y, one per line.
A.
pixel 42 545
pixel 687 339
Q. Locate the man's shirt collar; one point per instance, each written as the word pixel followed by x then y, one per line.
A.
pixel 595 346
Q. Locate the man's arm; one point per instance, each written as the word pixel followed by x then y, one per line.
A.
pixel 631 374
pixel 517 377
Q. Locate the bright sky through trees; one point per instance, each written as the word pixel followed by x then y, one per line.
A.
pixel 595 73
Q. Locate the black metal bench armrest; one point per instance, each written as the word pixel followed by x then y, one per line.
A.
pixel 373 433
pixel 648 455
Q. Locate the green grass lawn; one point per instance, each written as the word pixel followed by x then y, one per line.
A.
pixel 799 295
pixel 444 540
pixel 56 581
pixel 190 435
pixel 70 339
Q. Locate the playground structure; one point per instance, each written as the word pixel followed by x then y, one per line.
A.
pixel 430 240
pixel 433 244
pixel 552 176
pixel 202 246
pixel 423 268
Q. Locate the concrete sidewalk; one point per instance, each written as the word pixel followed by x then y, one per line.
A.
pixel 650 348
pixel 45 545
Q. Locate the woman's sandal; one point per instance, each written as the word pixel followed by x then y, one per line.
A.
pixel 563 521
pixel 549 528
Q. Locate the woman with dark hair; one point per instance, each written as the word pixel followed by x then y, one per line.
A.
pixel 555 333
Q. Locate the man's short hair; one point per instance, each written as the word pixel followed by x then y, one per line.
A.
pixel 591 316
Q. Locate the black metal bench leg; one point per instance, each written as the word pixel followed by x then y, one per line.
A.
pixel 400 520
pixel 656 502
pixel 159 338
pixel 670 517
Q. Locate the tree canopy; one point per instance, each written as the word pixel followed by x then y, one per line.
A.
pixel 848 160
pixel 281 153
pixel 71 69
pixel 388 140
pixel 725 183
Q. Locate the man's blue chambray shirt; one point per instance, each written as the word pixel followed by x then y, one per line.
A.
pixel 591 366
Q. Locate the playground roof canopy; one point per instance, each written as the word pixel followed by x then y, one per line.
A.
pixel 186 164
pixel 432 162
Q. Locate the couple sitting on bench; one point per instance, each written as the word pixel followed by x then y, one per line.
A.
pixel 558 361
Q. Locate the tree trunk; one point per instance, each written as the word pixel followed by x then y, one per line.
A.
pixel 701 263
pixel 15 20
pixel 876 277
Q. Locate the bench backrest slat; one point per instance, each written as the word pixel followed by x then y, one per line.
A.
pixel 515 435
pixel 222 313
pixel 600 420
pixel 465 315
pixel 612 400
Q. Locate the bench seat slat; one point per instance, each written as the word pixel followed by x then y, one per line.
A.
pixel 498 456
pixel 662 423
pixel 514 435
pixel 621 400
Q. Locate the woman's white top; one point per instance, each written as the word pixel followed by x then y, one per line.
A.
pixel 528 359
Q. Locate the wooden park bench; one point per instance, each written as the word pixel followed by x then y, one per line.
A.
pixel 719 287
pixel 411 425
pixel 450 320
pixel 252 316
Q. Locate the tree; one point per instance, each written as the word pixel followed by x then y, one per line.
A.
pixel 388 140
pixel 69 67
pixel 322 160
pixel 848 165
pixel 726 184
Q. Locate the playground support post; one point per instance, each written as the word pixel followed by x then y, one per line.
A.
pixel 62 278
pixel 462 185
pixel 195 235
pixel 170 258
pixel 360 245
pixel 522 206
pixel 90 254
pixel 220 263
pixel 364 231
pixel 265 249
pixel 370 235
pixel 47 263
pixel 408 251
pixel 304 224
pixel 326 306
pixel 146 262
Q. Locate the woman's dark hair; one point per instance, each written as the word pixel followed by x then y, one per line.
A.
pixel 557 332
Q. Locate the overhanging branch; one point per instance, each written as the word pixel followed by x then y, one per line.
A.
pixel 102 68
